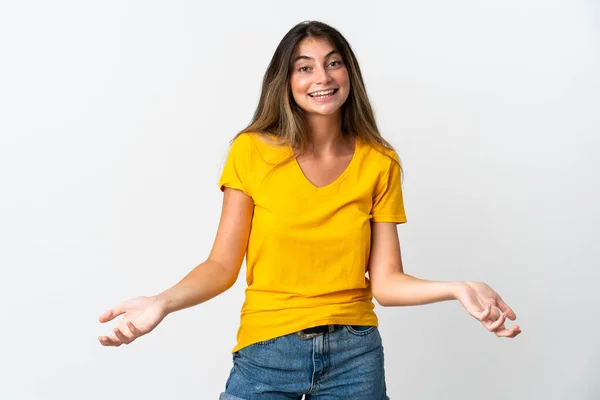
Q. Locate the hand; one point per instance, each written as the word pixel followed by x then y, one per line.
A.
pixel 484 304
pixel 142 315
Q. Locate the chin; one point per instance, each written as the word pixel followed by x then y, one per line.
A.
pixel 325 112
pixel 321 111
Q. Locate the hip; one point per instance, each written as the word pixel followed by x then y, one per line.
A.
pixel 341 361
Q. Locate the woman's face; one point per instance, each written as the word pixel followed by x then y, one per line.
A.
pixel 319 79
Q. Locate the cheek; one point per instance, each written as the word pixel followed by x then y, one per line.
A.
pixel 299 87
pixel 343 81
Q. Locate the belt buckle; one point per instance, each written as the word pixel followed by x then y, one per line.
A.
pixel 306 336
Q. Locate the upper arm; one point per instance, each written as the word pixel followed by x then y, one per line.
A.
pixel 233 232
pixel 387 211
pixel 236 183
pixel 385 258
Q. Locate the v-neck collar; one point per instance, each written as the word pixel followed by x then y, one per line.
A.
pixel 336 180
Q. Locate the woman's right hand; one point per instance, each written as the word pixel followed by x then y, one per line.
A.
pixel 141 316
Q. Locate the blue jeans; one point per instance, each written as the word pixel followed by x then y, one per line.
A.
pixel 344 364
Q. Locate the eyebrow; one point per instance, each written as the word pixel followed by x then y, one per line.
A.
pixel 310 58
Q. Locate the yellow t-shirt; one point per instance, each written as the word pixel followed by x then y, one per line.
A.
pixel 308 248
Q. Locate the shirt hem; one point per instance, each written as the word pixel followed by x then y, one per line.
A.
pixel 331 321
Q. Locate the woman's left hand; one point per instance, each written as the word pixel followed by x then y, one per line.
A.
pixel 485 305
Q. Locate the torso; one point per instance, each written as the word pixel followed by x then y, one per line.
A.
pixel 309 244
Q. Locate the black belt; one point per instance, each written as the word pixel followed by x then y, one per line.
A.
pixel 316 331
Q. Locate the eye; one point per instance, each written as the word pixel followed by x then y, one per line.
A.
pixel 336 61
pixel 302 69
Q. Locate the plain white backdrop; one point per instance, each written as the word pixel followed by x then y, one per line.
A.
pixel 115 120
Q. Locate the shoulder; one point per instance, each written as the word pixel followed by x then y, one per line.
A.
pixel 243 146
pixel 380 155
pixel 242 140
pixel 256 154
pixel 260 146
pixel 250 139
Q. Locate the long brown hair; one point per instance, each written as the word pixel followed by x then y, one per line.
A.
pixel 279 115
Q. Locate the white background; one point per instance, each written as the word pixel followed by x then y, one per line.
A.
pixel 115 119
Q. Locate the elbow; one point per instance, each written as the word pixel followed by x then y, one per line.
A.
pixel 227 272
pixel 231 277
pixel 379 296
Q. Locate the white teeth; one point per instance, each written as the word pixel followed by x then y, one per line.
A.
pixel 322 93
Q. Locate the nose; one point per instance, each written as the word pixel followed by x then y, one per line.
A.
pixel 322 76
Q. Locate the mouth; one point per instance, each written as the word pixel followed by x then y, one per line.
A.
pixel 323 94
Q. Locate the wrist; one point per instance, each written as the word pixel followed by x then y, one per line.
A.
pixel 456 288
pixel 164 303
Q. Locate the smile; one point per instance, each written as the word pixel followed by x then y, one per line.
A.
pixel 323 93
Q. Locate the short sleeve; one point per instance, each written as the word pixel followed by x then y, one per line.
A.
pixel 235 173
pixel 388 203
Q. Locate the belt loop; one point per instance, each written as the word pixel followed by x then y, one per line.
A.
pixel 306 336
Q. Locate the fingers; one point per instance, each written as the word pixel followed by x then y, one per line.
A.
pixel 495 313
pixel 497 326
pixel 494 326
pixel 509 333
pixel 119 338
pixel 109 341
pixel 124 339
pixel 482 316
pixel 486 291
pixel 136 332
pixel 505 308
pixel 112 313
pixel 500 330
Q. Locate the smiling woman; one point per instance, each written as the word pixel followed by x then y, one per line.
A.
pixel 312 197
pixel 311 58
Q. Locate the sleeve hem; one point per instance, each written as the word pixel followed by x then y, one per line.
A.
pixel 233 186
pixel 399 219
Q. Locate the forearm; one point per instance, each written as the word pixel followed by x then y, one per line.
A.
pixel 207 280
pixel 400 289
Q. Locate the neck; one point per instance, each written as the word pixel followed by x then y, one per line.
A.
pixel 325 133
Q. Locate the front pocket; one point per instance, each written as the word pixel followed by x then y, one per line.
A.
pixel 360 330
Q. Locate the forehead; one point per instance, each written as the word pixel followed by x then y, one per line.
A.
pixel 314 47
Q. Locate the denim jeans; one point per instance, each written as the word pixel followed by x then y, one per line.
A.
pixel 344 364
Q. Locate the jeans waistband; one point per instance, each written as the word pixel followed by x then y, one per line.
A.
pixel 310 333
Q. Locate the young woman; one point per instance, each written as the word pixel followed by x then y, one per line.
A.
pixel 312 196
